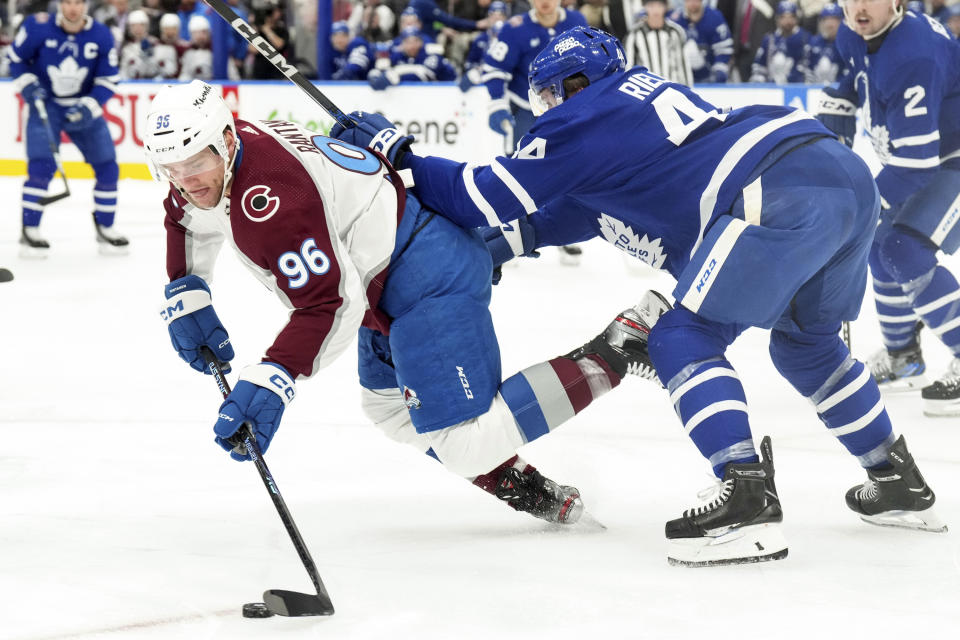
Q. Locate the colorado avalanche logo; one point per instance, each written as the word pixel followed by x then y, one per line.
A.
pixel 257 203
pixel 410 398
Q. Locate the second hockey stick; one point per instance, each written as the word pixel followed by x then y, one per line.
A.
pixel 42 111
pixel 279 601
pixel 271 54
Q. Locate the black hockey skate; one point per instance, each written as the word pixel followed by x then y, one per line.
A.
pixel 109 242
pixel 570 255
pixel 623 344
pixel 741 524
pixel 32 245
pixel 942 398
pixel 897 497
pixel 900 370
pixel 539 496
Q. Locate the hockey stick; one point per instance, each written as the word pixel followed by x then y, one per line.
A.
pixel 279 601
pixel 45 200
pixel 267 51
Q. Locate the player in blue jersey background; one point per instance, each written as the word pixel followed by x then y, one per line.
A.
pixel 783 55
pixel 903 72
pixel 69 64
pixel 824 60
pixel 765 220
pixel 352 57
pixel 709 43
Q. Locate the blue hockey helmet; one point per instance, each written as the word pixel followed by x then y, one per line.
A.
pixel 785 6
pixel 340 26
pixel 498 6
pixel 581 50
pixel 916 6
pixel 833 11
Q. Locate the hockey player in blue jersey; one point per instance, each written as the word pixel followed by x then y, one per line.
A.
pixel 903 72
pixel 765 220
pixel 783 55
pixel 69 65
pixel 709 43
pixel 412 62
pixel 352 57
pixel 824 59
pixel 509 58
pixel 497 12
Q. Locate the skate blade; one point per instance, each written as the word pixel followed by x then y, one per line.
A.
pixel 756 543
pixel 32 253
pixel 926 520
pixel 941 408
pixel 904 385
pixel 107 249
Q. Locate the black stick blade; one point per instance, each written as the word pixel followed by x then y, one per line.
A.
pixel 294 604
pixel 45 200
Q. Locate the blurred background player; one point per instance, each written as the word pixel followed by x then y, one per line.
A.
pixel 709 43
pixel 784 54
pixel 412 62
pixel 903 74
pixel 170 48
pixel 137 59
pixel 429 361
pixel 196 63
pixel 472 75
pixel 69 64
pixel 352 57
pixel 657 43
pixel 824 60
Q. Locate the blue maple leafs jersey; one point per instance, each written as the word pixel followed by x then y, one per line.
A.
pixel 424 67
pixel 354 62
pixel 782 58
pixel 909 93
pixel 507 61
pixel 68 66
pixel 711 36
pixel 824 60
pixel 644 163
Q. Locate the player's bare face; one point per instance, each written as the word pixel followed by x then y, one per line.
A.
pixel 74 12
pixel 199 177
pixel 340 40
pixel 694 9
pixel 869 17
pixel 547 11
pixel 549 98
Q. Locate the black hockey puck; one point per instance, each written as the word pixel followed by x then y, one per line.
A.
pixel 5 275
pixel 256 610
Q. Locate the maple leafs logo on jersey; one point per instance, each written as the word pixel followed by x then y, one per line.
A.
pixel 67 78
pixel 622 236
pixel 880 138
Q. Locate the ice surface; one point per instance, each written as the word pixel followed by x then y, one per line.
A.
pixel 119 517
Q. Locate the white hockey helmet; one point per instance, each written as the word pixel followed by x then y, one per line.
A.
pixel 198 23
pixel 182 121
pixel 138 16
pixel 168 20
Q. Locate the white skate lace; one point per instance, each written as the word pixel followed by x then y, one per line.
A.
pixel 644 371
pixel 880 364
pixel 951 378
pixel 711 497
pixel 868 491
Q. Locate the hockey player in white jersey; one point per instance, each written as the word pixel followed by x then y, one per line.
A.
pixel 331 229
pixel 903 72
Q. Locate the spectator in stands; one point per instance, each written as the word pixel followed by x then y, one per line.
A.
pixel 709 44
pixel 409 19
pixel 196 63
pixel 136 56
pixel 114 14
pixel 953 20
pixel 825 61
pixel 352 57
pixel 373 20
pixel 170 48
pixel 429 12
pixel 783 55
pixel 657 43
pixel 809 15
pixel 473 64
pixel 271 24
pixel 754 20
pixel 412 63
pixel 592 10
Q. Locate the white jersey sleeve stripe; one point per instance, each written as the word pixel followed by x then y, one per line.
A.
pixel 913 163
pixel 515 187
pixel 718 255
pixel 513 239
pixel 911 141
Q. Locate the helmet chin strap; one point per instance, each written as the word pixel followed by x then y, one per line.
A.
pixel 894 21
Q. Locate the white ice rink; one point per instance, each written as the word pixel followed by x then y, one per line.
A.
pixel 120 518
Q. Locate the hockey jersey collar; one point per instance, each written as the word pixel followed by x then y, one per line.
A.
pixel 533 15
pixel 86 25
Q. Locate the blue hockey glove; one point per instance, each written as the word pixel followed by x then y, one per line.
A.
pixel 464 82
pixel 33 92
pixel 499 247
pixel 498 118
pixel 79 116
pixel 193 323
pixel 378 80
pixel 839 114
pixel 377 133
pixel 262 393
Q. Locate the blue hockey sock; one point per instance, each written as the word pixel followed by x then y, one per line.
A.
pixel 39 173
pixel 894 310
pixel 105 193
pixel 845 395
pixel 936 299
